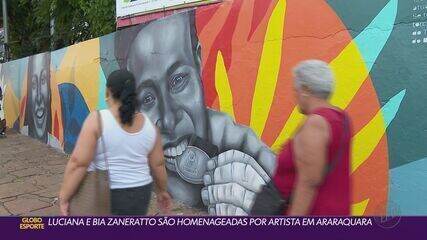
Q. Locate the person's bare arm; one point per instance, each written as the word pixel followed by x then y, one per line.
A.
pixel 310 148
pixel 157 165
pixel 80 159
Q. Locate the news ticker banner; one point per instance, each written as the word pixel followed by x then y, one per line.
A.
pixel 218 228
pixel 132 7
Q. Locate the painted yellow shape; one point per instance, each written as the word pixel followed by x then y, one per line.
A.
pixel 358 209
pixel 11 106
pixel 80 66
pixel 366 140
pixel 222 86
pixel 288 130
pixel 24 92
pixel 269 67
pixel 350 72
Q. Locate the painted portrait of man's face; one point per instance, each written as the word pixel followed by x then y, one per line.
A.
pixel 165 59
pixel 39 95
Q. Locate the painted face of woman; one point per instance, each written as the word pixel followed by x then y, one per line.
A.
pixel 169 84
pixel 40 93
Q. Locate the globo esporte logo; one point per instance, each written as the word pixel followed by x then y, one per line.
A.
pixel 31 223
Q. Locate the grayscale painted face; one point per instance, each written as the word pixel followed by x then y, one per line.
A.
pixel 168 81
pixel 40 77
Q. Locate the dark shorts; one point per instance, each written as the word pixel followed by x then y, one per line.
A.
pixel 131 201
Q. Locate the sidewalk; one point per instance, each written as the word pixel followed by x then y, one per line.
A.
pixel 30 177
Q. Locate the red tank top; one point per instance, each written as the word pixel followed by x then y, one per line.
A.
pixel 333 197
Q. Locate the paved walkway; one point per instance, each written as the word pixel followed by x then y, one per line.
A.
pixel 30 177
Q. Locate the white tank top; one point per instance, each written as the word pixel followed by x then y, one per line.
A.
pixel 127 153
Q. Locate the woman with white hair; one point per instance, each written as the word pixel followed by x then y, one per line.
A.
pixel 313 167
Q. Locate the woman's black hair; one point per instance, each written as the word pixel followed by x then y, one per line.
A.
pixel 121 83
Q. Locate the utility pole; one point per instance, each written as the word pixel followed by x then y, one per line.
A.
pixel 52 31
pixel 6 32
pixel 52 27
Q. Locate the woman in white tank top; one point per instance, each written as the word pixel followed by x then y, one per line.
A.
pixel 133 149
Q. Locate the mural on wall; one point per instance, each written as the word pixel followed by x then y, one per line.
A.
pixel 217 81
pixel 165 57
pixel 74 111
pixel 38 105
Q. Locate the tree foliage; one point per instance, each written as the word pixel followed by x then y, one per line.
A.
pixel 44 25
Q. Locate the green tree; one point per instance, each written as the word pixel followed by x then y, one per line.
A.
pixel 101 16
pixel 26 35
pixel 31 23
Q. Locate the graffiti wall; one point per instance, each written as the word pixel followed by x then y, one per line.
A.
pixel 217 81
